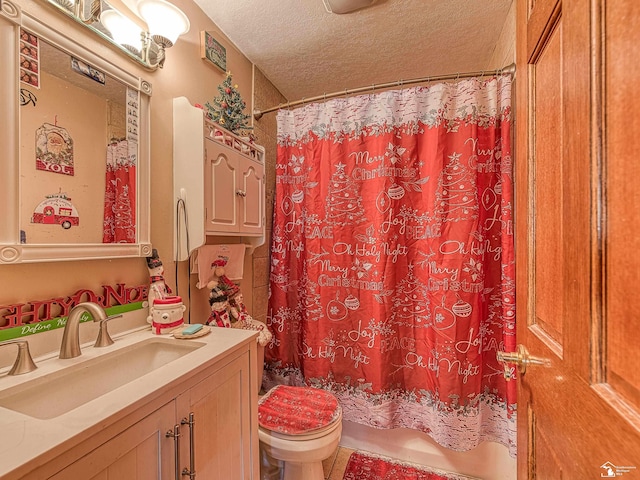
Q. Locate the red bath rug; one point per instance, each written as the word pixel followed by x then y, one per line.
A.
pixel 368 466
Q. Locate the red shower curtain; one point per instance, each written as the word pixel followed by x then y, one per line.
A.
pixel 119 224
pixel 392 269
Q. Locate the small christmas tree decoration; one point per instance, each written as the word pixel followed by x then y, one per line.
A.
pixel 228 109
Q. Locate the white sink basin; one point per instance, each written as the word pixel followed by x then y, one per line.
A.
pixel 59 392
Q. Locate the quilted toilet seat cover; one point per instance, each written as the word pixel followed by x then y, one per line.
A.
pixel 297 410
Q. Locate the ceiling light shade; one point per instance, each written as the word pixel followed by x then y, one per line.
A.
pixel 346 6
pixel 164 20
pixel 123 30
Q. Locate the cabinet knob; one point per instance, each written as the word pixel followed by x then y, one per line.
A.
pixel 241 193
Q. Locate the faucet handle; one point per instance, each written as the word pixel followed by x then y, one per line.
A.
pixel 24 363
pixel 104 339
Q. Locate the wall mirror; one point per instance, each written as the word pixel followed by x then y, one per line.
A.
pixel 76 147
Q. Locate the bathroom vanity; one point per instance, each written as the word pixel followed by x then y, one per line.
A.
pixel 185 406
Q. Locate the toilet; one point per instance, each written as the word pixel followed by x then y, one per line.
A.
pixel 301 427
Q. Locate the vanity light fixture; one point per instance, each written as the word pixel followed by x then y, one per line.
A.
pixel 124 31
pixel 165 21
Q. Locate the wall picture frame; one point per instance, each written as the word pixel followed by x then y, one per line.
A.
pixel 211 50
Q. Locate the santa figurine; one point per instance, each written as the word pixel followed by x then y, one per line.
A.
pixel 158 289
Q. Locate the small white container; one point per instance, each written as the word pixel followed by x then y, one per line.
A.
pixel 167 315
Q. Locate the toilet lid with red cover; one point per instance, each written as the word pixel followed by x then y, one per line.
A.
pixel 297 410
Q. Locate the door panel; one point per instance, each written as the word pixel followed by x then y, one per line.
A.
pixel 577 242
pixel 220 186
pixel 546 164
pixel 252 204
pixel 623 197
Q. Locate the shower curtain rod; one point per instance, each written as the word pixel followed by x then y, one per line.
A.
pixel 509 69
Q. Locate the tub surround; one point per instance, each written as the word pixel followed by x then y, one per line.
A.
pixel 42 448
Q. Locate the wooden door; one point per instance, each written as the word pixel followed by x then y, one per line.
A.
pixel 577 237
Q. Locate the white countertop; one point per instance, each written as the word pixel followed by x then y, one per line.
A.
pixel 26 439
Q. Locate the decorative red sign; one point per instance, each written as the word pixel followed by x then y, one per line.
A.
pixel 20 314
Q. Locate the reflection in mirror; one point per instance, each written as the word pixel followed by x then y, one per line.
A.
pixel 76 144
pixel 78 149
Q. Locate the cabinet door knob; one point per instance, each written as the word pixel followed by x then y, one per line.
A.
pixel 241 193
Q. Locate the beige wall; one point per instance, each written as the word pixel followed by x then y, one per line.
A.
pixel 184 74
pixel 505 51
pixel 265 96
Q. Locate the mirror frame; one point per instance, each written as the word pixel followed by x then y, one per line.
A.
pixel 11 250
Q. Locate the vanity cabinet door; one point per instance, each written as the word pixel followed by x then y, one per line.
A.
pixel 225 447
pixel 142 452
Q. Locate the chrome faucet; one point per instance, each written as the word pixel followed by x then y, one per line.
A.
pixel 24 363
pixel 70 347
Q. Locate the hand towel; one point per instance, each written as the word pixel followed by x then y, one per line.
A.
pixel 204 256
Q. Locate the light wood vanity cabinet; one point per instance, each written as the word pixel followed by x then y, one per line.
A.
pixel 222 437
pixel 220 408
pixel 141 452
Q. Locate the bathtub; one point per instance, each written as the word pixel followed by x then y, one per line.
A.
pixel 489 461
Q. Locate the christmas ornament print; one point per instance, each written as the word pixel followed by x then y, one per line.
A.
pixel 383 202
pixel 336 310
pixel 351 302
pixel 297 196
pixel 462 308
pixel 444 318
pixel 287 206
pixel 396 192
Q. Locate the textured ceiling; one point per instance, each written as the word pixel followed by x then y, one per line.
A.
pixel 306 51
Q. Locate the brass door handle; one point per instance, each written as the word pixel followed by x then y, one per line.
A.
pixel 522 359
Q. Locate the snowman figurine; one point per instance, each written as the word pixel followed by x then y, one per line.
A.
pixel 219 316
pixel 158 289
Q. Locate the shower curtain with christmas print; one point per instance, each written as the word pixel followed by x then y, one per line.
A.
pixel 119 224
pixel 392 262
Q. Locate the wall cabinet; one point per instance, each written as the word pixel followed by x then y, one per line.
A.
pixel 219 182
pixel 207 426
